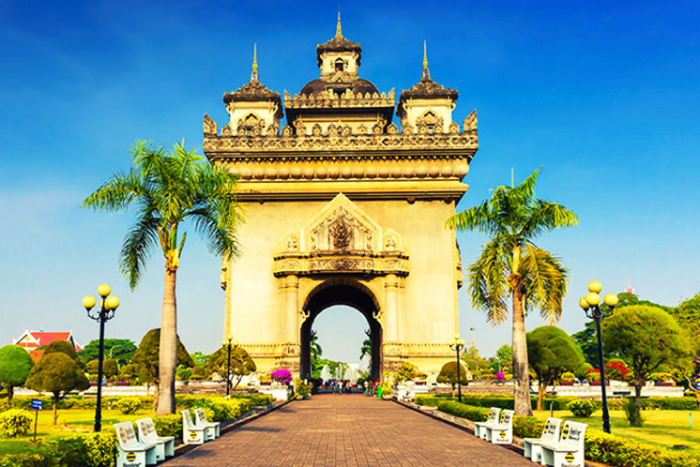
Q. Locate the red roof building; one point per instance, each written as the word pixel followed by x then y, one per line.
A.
pixel 32 340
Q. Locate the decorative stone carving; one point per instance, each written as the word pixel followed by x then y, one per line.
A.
pixel 342 234
pixel 470 122
pixel 209 126
pixel 392 129
pixel 226 130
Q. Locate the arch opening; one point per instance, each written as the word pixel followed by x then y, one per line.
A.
pixel 355 298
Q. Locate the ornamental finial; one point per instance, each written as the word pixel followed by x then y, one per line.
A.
pixel 426 72
pixel 338 30
pixel 254 74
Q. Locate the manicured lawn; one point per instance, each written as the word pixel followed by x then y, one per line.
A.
pixel 661 428
pixel 69 421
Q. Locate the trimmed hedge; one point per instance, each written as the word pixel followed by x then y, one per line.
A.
pixel 83 450
pixel 620 452
pixel 523 427
pixel 491 400
pixel 168 425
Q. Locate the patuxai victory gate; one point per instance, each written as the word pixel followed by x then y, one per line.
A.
pixel 344 206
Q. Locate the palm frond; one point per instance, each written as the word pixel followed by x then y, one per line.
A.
pixel 544 281
pixel 487 281
pixel 545 216
pixel 138 244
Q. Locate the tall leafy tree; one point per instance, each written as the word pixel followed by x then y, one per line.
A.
pixel 648 339
pixel 512 265
pixel 148 356
pixel 168 188
pixel 551 352
pixel 15 365
pixel 58 374
pixel 121 349
pixel 240 365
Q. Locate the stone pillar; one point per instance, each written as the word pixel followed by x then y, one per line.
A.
pixel 292 308
pixel 391 312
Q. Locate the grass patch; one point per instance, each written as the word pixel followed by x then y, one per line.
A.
pixel 69 421
pixel 665 428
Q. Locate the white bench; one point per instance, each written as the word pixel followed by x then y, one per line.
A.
pixel 480 427
pixel 191 434
pixel 569 450
pixel 502 432
pixel 131 452
pixel 165 445
pixel 550 434
pixel 211 429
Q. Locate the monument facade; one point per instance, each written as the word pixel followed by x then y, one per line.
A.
pixel 344 206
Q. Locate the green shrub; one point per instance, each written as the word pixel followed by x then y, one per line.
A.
pixel 568 377
pixel 477 414
pixel 14 423
pixel 527 427
pixel 84 450
pixel 255 399
pixel 431 401
pixel 670 403
pixel 635 418
pixel 301 389
pixel 621 452
pixel 582 408
pixel 27 459
pixel 128 405
pixel 169 425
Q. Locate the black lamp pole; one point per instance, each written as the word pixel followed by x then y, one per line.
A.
pixel 457 344
pixel 108 307
pixel 590 304
pixel 227 343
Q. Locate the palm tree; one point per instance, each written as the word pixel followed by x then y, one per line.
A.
pixel 168 188
pixel 511 265
pixel 366 348
pixel 315 348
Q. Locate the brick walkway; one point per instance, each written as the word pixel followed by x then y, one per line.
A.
pixel 347 430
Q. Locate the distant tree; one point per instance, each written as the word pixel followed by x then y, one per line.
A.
pixel 505 356
pixel 551 352
pixel 57 373
pixel 92 366
pixel 687 313
pixel 15 365
pixel 448 374
pixel 200 359
pixel 408 372
pixel 241 364
pixel 147 355
pixel 474 362
pixel 122 350
pixel 63 347
pixel 110 368
pixel 511 267
pixel 587 338
pixel 130 371
pixel 648 339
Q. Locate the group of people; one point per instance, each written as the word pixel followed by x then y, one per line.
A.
pixel 338 386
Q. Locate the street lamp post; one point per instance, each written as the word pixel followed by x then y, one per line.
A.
pixel 457 344
pixel 590 303
pixel 108 306
pixel 228 343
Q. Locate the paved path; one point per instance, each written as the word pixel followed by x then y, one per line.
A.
pixel 347 430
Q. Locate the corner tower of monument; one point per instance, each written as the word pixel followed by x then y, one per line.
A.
pixel 343 206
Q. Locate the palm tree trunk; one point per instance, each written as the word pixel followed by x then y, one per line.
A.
pixel 168 345
pixel 521 378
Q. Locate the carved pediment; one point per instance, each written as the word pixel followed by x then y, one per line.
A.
pixel 341 237
pixel 341 226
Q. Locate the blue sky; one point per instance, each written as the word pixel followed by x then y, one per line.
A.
pixel 603 95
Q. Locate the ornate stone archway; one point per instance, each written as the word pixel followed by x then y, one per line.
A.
pixel 340 196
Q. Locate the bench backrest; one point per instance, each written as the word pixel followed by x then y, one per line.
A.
pixel 551 430
pixel 125 435
pixel 572 435
pixel 506 417
pixel 147 431
pixel 187 419
pixel 493 414
pixel 200 417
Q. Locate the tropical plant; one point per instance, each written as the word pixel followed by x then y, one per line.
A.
pixel 408 372
pixel 648 339
pixel 511 265
pixel 169 188
pixel 551 352
pixel 56 373
pixel 15 365
pixel 282 376
pixel 147 357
